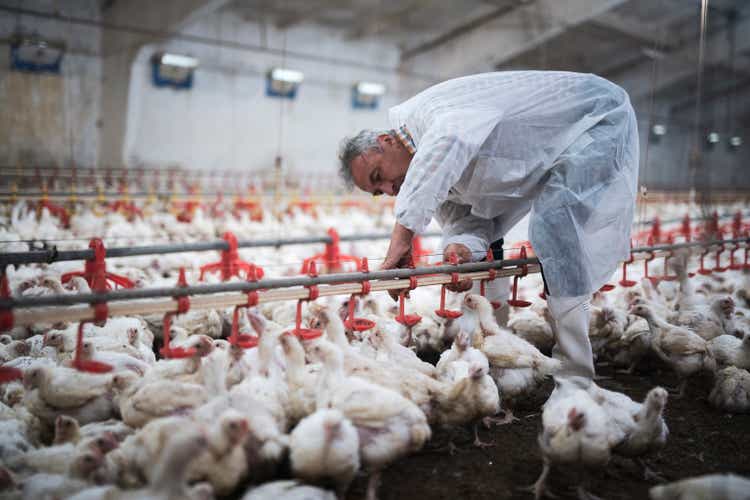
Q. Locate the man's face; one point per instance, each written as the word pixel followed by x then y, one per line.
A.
pixel 382 172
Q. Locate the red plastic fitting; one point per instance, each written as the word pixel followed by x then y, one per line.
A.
pixel 331 257
pixel 717 266
pixel 515 301
pixel 6 315
pixel 492 275
pixel 625 282
pixel 230 264
pixel 359 324
pixel 183 306
pixel 443 312
pixel 95 271
pixel 312 294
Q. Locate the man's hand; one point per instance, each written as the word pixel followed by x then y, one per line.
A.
pixel 464 255
pixel 399 252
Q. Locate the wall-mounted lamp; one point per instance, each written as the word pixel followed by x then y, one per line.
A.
pixel 173 70
pixel 35 54
pixel 367 94
pixel 283 82
pixel 658 130
pixel 712 139
pixel 735 142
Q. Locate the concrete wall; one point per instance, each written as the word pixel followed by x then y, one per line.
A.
pixel 665 162
pixel 106 111
pixel 226 121
pixel 52 119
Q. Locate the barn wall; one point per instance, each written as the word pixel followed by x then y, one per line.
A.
pixel 52 119
pixel 226 121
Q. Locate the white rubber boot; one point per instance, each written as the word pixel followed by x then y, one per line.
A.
pixel 572 345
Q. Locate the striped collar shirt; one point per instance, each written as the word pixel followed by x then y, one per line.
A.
pixel 404 136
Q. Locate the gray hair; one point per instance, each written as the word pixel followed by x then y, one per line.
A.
pixel 352 147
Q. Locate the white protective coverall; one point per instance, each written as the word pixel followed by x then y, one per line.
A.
pixel 494 146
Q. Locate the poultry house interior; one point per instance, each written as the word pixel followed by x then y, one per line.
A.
pixel 195 303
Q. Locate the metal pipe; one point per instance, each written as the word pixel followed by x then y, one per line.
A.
pixel 161 306
pixel 306 281
pixel 126 302
pixel 54 255
pixel 249 286
pixel 689 244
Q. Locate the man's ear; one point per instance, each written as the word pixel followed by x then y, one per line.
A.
pixel 385 139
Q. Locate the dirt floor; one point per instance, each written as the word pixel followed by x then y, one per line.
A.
pixel 702 440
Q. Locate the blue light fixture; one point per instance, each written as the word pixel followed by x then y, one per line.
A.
pixel 283 82
pixel 366 95
pixel 173 70
pixel 35 55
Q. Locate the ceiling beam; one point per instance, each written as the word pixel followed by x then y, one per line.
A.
pixel 681 64
pixel 503 37
pixel 652 34
pixel 374 22
pixel 310 10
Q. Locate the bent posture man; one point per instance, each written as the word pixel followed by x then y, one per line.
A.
pixel 480 152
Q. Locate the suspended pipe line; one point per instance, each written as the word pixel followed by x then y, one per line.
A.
pixel 265 284
pixel 67 195
pixel 340 283
pixel 48 256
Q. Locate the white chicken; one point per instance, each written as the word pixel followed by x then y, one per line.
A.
pixel 516 366
pixel 707 320
pixel 642 427
pixel 288 490
pixel 471 393
pixel 632 346
pixel 117 360
pixel 731 390
pixel 64 390
pixel 81 471
pixel 169 479
pixel 576 431
pixel 387 431
pixel 710 486
pixel 532 327
pixel 203 322
pixel 67 430
pixel 142 401
pixel 14 436
pixel 412 384
pixel 57 459
pixel 13 350
pixel 684 351
pixel 385 341
pixel 266 442
pixel 324 448
pixel 729 350
pixel 301 378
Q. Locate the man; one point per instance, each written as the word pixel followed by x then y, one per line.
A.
pixel 480 152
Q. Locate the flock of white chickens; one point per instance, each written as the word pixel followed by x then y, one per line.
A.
pixel 228 419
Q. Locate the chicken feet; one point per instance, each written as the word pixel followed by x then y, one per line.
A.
pixel 478 442
pixel 507 418
pixel 539 488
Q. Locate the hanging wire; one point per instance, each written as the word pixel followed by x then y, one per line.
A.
pixel 696 156
pixel 732 38
pixel 280 178
pixel 642 207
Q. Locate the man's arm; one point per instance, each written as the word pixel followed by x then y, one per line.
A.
pixel 465 235
pixel 434 169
